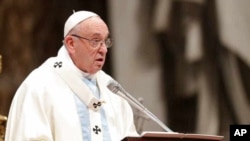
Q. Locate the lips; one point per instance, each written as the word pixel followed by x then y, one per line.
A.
pixel 99 60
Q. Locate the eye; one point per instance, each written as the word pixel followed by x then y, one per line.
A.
pixel 95 42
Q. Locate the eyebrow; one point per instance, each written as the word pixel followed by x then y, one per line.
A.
pixel 98 34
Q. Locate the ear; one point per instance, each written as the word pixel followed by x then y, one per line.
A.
pixel 69 43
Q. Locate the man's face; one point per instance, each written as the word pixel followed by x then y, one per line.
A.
pixel 85 56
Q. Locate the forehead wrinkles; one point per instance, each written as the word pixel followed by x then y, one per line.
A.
pixel 94 25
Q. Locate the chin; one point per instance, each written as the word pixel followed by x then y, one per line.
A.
pixel 95 71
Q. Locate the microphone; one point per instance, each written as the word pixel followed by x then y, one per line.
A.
pixel 116 88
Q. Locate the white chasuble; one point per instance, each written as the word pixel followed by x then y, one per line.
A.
pixel 44 107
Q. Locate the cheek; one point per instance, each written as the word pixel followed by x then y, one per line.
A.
pixel 86 55
pixel 92 54
pixel 87 58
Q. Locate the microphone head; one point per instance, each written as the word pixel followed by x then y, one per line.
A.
pixel 113 86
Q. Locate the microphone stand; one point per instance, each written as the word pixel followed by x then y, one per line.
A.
pixel 116 88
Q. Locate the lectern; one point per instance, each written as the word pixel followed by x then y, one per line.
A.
pixel 167 136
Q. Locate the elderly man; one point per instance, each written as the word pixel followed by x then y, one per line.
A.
pixel 66 98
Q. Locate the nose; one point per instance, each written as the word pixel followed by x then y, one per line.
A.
pixel 103 49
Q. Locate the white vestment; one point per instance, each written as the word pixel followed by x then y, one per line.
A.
pixel 44 108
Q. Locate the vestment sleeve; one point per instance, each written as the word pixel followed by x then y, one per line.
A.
pixel 27 116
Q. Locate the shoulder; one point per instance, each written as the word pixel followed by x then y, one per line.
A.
pixel 39 76
pixel 39 80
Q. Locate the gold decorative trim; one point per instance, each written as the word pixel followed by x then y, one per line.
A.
pixel 3 120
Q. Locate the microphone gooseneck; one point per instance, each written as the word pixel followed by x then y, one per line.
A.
pixel 116 88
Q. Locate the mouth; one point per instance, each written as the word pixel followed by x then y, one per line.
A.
pixel 100 60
